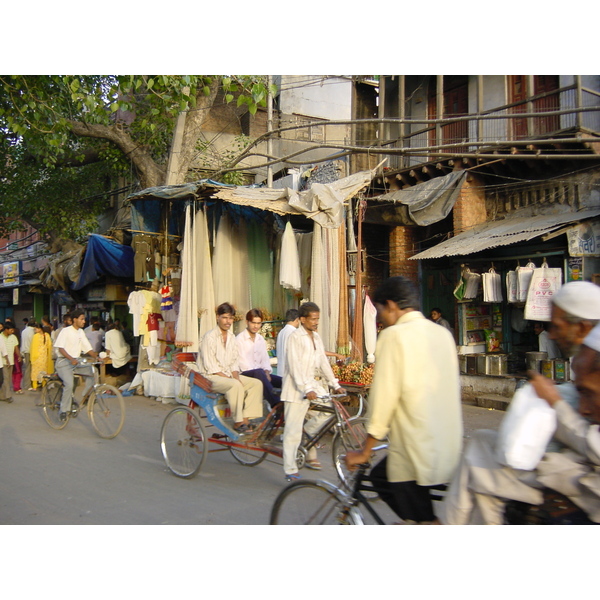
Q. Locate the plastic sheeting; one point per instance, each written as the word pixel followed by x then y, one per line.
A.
pixel 104 257
pixel 427 202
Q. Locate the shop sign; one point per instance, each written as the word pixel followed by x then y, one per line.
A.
pixel 584 239
pixel 575 268
pixel 10 273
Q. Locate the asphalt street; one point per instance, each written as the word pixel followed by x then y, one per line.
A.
pixel 74 477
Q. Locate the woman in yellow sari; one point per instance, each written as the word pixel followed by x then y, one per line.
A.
pixel 40 354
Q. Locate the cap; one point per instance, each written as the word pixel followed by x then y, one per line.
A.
pixel 579 298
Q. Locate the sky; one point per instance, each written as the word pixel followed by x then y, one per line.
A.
pixel 319 38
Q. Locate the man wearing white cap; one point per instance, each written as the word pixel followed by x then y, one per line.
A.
pixel 575 311
pixel 481 486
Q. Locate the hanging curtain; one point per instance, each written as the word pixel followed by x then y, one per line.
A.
pixel 304 242
pixel 240 269
pixel 261 268
pixel 332 275
pixel 186 330
pixel 343 336
pixel 205 289
pixel 318 282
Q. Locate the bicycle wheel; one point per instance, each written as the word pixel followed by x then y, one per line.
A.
pixel 313 503
pixel 248 456
pixel 183 442
pixel 350 438
pixel 106 408
pixel 51 396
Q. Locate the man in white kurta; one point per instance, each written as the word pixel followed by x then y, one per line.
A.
pixel 308 373
pixel 482 485
pixel 218 361
pixel 117 349
pixel 414 401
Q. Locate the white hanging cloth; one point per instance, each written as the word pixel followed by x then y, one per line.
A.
pixel 370 328
pixel 186 330
pixel 289 268
pixel 204 281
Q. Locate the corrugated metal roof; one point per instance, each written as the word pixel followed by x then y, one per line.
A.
pixel 511 230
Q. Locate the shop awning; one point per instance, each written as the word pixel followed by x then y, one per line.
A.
pixel 323 202
pixel 513 229
pixel 422 204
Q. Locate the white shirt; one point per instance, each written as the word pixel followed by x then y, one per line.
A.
pixel 548 345
pixel 119 351
pixel 252 352
pixel 96 337
pixel 26 338
pixel 216 357
pixel 306 360
pixel 282 337
pixel 73 341
pixel 3 350
pixel 11 343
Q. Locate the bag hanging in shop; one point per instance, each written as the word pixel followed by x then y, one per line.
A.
pixel 545 282
pixel 492 288
pixel 524 275
pixel 473 285
pixel 511 287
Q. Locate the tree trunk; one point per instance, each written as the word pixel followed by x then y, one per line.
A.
pixel 151 174
pixel 193 128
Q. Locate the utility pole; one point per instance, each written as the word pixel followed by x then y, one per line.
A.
pixel 269 130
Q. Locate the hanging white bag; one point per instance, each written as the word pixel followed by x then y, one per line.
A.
pixel 525 430
pixel 545 282
pixel 511 287
pixel 524 275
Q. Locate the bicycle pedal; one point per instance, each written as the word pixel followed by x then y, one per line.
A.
pixel 218 436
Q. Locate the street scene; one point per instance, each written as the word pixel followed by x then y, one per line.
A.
pixel 73 477
pixel 300 299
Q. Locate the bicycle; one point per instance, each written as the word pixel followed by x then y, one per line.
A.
pixel 106 407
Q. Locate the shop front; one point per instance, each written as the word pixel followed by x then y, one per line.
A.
pixel 505 273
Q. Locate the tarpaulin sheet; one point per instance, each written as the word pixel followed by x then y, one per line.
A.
pixel 424 203
pixel 104 257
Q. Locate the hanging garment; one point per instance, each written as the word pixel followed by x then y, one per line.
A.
pixel 370 328
pixel 289 272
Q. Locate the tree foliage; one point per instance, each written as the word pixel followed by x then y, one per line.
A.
pixel 66 138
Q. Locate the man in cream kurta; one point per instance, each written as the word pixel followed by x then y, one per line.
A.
pixel 218 362
pixel 414 402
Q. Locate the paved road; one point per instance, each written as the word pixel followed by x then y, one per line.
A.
pixel 74 477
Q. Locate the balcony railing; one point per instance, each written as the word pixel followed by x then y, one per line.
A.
pixel 558 115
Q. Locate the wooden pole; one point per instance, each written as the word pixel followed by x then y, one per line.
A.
pixel 357 331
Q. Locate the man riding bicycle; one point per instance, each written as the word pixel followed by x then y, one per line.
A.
pixel 70 344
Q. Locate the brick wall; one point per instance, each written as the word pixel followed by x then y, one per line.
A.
pixel 402 246
pixel 469 209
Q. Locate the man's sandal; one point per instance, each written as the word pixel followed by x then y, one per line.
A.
pixel 313 464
